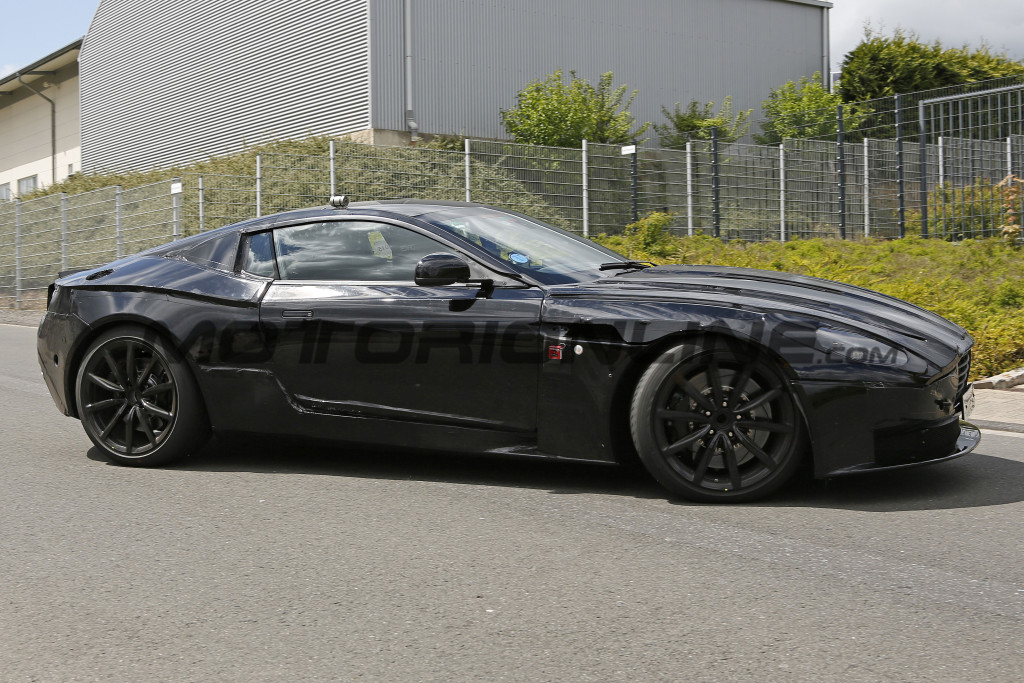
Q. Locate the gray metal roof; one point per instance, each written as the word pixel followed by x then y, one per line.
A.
pixel 51 62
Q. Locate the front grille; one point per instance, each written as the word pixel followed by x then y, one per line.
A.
pixel 963 371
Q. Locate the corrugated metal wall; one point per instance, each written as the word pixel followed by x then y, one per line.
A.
pixel 165 83
pixel 170 82
pixel 472 56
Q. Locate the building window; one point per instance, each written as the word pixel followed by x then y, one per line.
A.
pixel 71 169
pixel 5 192
pixel 26 185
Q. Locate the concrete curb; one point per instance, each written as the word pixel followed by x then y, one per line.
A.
pixel 997 426
pixel 1006 380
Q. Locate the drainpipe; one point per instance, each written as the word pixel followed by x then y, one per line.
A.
pixel 53 128
pixel 410 121
pixel 826 55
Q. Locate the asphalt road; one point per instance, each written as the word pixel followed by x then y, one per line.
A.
pixel 283 562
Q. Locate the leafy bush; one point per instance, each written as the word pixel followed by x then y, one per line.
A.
pixel 983 209
pixel 551 112
pixel 805 109
pixel 696 122
pixel 646 239
pixel 881 66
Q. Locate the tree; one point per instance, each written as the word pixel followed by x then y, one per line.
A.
pixel 805 110
pixel 696 122
pixel 552 112
pixel 882 66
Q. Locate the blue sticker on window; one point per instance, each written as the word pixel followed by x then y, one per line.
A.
pixel 515 257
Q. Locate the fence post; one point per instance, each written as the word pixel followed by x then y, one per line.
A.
pixel 63 230
pixel 841 170
pixel 715 188
pixel 586 190
pixel 202 203
pixel 922 162
pixel 467 176
pixel 176 208
pixel 940 209
pixel 17 254
pixel 867 189
pixel 942 164
pixel 118 232
pixel 334 184
pixel 782 192
pixel 902 214
pixel 634 176
pixel 1009 155
pixel 259 184
pixel 689 188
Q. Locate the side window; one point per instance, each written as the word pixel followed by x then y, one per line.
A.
pixel 259 258
pixel 351 250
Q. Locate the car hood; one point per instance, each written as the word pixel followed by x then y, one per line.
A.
pixel 792 297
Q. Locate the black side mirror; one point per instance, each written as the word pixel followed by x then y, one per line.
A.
pixel 438 270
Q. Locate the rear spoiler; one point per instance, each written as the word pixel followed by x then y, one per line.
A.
pixel 65 273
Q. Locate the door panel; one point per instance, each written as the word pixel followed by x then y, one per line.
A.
pixel 423 354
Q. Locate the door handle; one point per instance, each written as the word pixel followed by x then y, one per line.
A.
pixel 296 313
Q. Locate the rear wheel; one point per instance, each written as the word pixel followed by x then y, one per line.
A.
pixel 137 399
pixel 717 421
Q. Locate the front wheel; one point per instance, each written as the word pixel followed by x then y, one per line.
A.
pixel 137 399
pixel 717 421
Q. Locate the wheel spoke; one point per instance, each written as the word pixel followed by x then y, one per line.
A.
pixel 157 389
pixel 100 405
pixel 730 461
pixel 740 384
pixel 156 410
pixel 105 383
pixel 129 364
pixel 129 430
pixel 765 459
pixel 715 380
pixel 113 421
pixel 687 441
pixel 692 392
pixel 756 403
pixel 146 427
pixel 115 369
pixel 147 370
pixel 764 426
pixel 705 460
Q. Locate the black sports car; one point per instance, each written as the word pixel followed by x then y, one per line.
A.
pixel 460 327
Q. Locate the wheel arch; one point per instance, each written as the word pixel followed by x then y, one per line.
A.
pixel 622 396
pixel 97 329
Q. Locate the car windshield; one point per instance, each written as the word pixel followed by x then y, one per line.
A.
pixel 543 252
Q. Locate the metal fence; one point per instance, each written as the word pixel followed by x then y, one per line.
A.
pixel 797 189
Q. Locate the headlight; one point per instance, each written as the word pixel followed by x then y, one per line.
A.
pixel 849 347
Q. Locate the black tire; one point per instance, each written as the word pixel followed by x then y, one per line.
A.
pixel 138 400
pixel 714 420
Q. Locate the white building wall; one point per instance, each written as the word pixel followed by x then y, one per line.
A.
pixel 25 138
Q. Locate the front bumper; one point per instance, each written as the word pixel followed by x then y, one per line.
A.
pixel 858 427
pixel 967 440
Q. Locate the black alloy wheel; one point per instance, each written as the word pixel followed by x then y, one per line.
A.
pixel 137 399
pixel 717 421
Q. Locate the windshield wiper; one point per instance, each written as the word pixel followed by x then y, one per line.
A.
pixel 626 265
